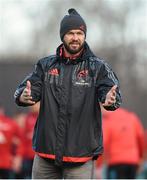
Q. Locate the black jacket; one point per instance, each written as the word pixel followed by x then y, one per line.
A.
pixel 68 127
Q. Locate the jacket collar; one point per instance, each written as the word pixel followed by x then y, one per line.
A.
pixel 86 53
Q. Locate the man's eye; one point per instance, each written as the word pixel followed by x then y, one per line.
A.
pixel 70 33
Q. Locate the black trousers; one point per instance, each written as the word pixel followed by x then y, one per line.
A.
pixel 122 171
pixel 26 171
pixel 6 174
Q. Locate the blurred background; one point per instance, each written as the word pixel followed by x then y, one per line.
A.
pixel 117 32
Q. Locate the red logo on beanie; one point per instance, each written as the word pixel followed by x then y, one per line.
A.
pixel 82 27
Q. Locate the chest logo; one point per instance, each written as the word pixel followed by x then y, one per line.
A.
pixel 82 73
pixel 54 72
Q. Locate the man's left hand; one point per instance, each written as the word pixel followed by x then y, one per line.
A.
pixel 110 97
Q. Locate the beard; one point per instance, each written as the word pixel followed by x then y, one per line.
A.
pixel 73 50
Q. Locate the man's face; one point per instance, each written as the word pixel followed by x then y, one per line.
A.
pixel 74 41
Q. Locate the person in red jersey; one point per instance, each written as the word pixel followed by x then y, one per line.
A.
pixel 28 155
pixel 99 166
pixel 143 168
pixel 19 117
pixel 123 143
pixel 10 137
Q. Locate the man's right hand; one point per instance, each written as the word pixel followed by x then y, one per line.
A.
pixel 26 95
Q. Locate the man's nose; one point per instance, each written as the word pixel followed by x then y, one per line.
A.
pixel 75 36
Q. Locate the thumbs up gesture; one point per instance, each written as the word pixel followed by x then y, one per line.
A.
pixel 26 95
pixel 110 97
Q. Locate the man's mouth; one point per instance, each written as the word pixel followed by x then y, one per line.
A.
pixel 74 44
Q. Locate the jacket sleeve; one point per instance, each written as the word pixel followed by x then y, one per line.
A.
pixel 36 79
pixel 106 80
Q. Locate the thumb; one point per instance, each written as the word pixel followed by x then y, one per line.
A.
pixel 28 86
pixel 114 88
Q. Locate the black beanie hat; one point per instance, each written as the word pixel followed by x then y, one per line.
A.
pixel 72 21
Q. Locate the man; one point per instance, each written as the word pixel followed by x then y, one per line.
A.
pixel 123 143
pixel 70 87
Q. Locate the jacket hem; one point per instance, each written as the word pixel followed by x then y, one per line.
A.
pixel 65 158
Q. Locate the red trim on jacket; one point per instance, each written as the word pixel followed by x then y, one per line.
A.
pixel 65 158
pixel 73 57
